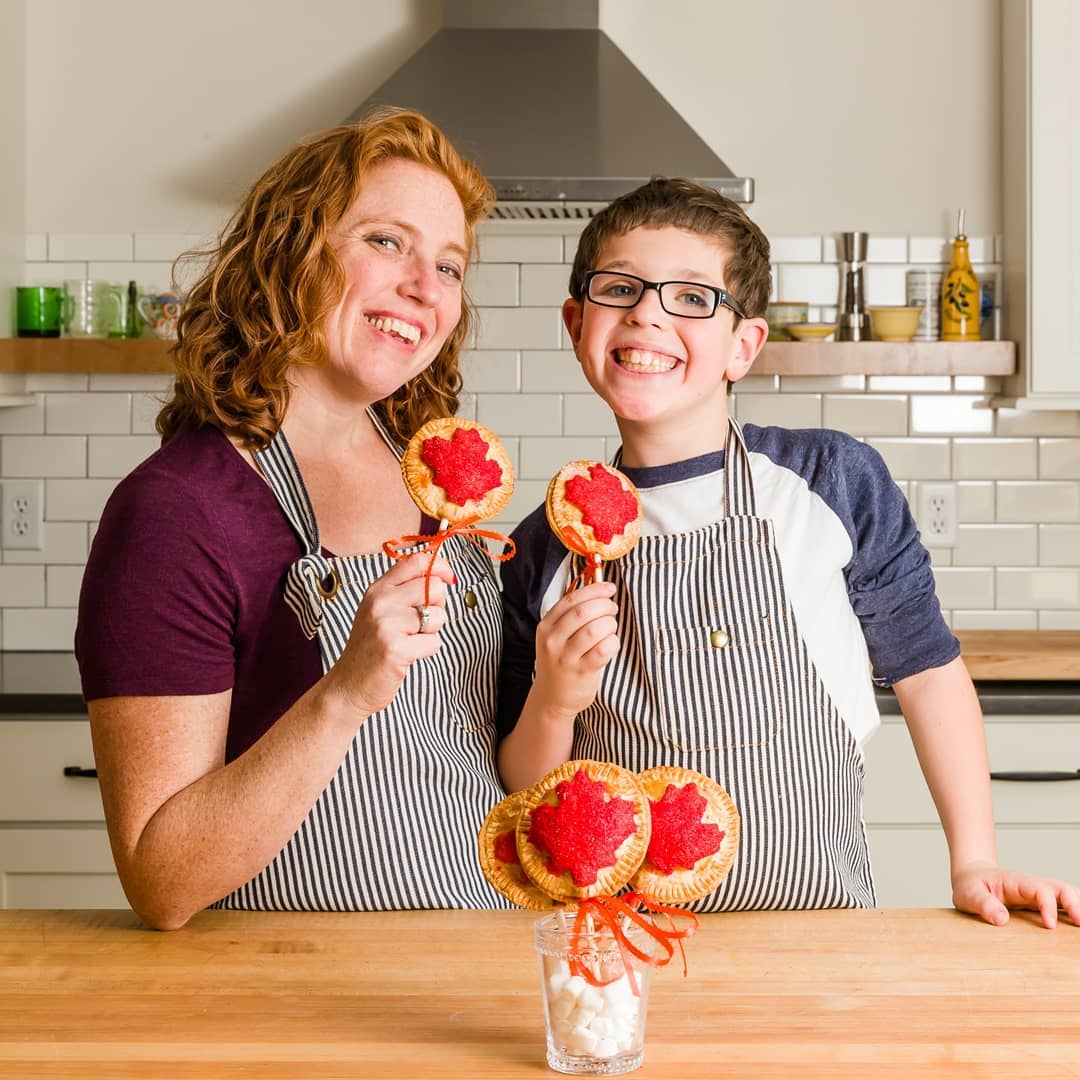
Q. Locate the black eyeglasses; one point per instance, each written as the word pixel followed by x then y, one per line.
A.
pixel 687 299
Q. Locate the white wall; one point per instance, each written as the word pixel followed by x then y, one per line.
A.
pixel 848 114
pixel 12 141
pixel 155 116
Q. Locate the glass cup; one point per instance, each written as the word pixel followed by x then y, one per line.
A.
pixel 596 1030
pixel 90 308
pixel 37 310
pixel 160 312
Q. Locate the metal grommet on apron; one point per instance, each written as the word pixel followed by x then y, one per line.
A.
pixel 713 675
pixel 396 827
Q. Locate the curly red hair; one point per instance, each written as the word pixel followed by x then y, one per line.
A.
pixel 273 277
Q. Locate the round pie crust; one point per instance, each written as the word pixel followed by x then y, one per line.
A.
pixel 509 879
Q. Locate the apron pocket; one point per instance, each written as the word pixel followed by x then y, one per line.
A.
pixel 719 685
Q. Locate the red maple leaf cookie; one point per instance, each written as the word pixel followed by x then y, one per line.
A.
pixel 457 470
pixel 605 505
pixel 584 830
pixel 694 837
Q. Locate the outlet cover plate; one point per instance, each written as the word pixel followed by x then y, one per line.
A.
pixel 937 514
pixel 21 522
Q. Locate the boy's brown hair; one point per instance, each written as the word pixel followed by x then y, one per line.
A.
pixel 684 204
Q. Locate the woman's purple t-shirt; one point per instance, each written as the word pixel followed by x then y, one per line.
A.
pixel 183 589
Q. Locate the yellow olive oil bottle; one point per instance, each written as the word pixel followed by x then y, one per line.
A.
pixel 960 297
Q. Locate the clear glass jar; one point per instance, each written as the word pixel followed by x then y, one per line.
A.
pixel 596 1030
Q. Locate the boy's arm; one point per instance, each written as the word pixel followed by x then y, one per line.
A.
pixel 574 641
pixel 946 725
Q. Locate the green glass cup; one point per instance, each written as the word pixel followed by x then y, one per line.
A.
pixel 37 311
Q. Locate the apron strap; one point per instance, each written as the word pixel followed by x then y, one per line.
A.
pixel 312 579
pixel 738 481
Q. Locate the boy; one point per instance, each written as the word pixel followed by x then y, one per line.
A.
pixel 737 637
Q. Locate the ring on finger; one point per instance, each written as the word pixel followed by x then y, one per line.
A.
pixel 423 613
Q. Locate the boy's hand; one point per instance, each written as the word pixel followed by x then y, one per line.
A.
pixel 989 891
pixel 574 641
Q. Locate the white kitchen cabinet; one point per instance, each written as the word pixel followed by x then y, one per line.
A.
pixel 1038 823
pixel 54 850
pixel 1040 97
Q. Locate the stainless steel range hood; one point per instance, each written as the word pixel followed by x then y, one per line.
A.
pixel 552 111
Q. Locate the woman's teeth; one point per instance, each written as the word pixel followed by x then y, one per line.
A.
pixel 638 360
pixel 401 329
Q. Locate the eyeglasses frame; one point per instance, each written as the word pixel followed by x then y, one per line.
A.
pixel 723 297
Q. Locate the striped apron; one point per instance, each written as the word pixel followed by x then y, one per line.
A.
pixel 396 827
pixel 713 675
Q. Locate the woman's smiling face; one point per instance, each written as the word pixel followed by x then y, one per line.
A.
pixel 403 248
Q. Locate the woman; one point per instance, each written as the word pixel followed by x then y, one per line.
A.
pixel 279 720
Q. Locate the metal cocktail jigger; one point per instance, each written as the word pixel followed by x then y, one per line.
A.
pixel 852 320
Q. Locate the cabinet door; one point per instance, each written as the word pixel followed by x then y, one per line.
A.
pixel 58 868
pixel 33 756
pixel 1054 116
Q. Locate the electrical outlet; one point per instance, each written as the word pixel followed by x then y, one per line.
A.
pixel 21 522
pixel 937 514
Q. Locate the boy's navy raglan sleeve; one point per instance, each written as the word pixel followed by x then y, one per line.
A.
pixel 524 579
pixel 889 579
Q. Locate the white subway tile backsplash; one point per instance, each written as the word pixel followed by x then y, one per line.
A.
pixel 1059 545
pixel 495 248
pixel 994 459
pixel 491 371
pixel 541 459
pixel 519 328
pixel 68 247
pixel 866 414
pixel 92 414
pixel 1040 588
pixel 65 545
pixel 76 500
pixel 39 629
pixel 43 455
pixel 165 247
pixel 550 371
pixel 995 620
pixel 1059 459
pixel 544 285
pixel 521 414
pixel 782 410
pixel 1038 501
pixel 996 545
pixel 116 455
pixel 22 586
pixel 795 249
pixel 1017 560
pixel 952 414
pixel 915 459
pixel 494 284
pixel 807 284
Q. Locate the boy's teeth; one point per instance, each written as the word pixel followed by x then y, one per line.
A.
pixel 395 326
pixel 638 360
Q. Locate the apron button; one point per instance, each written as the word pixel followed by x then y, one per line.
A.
pixel 470 599
pixel 718 639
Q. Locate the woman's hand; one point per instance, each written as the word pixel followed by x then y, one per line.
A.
pixel 387 636
pixel 574 641
pixel 989 891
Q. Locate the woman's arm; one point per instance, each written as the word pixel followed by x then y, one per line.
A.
pixel 946 725
pixel 186 828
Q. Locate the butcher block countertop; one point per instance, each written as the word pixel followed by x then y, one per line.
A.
pixel 455 995
pixel 1021 654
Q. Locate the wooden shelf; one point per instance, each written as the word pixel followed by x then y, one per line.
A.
pixel 41 356
pixel 990 358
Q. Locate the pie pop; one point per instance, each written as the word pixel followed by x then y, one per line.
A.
pixel 457 472
pixel 595 511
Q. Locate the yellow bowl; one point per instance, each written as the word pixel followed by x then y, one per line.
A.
pixel 811 331
pixel 894 323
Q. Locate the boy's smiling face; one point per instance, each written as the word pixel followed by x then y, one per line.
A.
pixel 664 376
